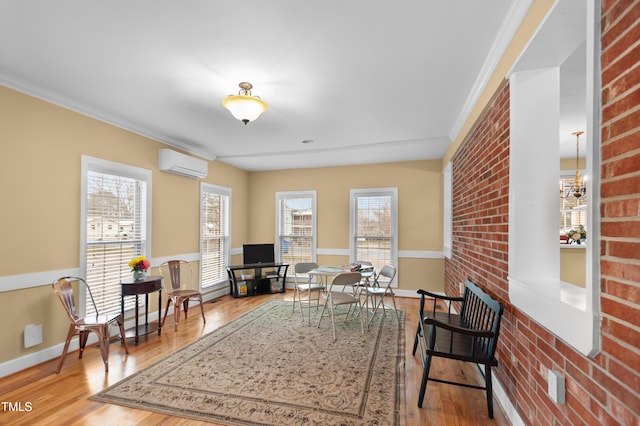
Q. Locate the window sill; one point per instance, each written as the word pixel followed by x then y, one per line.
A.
pixel 561 308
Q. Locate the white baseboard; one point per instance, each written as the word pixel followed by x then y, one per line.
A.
pixel 505 403
pixel 35 358
pixel 47 354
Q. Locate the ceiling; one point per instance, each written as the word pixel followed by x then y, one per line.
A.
pixel 367 81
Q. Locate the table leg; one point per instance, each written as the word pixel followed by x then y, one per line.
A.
pixel 136 335
pixel 159 311
pixel 122 314
pixel 146 312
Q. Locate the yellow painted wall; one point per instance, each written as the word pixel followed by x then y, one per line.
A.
pixel 40 170
pixel 419 186
pixel 573 265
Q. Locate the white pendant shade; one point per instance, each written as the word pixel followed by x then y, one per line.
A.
pixel 244 106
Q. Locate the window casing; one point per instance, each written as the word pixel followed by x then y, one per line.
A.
pixel 296 227
pixel 374 226
pixel 116 221
pixel 215 236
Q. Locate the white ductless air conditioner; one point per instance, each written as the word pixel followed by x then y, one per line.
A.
pixel 180 164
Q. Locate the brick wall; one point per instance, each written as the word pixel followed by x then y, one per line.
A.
pixel 603 389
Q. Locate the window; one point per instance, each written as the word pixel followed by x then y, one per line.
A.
pixel 374 226
pixel 573 211
pixel 113 195
pixel 215 236
pixel 296 227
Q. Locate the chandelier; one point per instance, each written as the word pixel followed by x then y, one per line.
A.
pixel 244 106
pixel 579 187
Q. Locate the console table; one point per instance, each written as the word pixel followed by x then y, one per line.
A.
pixel 250 280
pixel 146 286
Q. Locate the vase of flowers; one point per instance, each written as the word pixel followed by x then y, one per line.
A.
pixel 577 235
pixel 139 266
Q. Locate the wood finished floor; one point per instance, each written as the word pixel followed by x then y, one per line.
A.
pixel 57 399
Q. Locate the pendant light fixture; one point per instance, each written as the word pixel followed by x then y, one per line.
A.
pixel 244 106
pixel 579 187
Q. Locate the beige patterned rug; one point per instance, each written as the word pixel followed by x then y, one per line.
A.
pixel 269 368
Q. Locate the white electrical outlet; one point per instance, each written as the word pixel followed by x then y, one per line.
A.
pixel 556 387
pixel 32 335
pixel 461 288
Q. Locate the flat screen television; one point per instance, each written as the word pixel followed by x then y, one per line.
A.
pixel 258 253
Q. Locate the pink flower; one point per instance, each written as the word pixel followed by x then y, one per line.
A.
pixel 145 264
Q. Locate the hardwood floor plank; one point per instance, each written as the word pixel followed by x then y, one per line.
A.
pixel 61 399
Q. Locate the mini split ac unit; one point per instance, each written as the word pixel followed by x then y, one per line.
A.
pixel 175 162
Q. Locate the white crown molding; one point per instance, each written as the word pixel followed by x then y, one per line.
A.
pixel 510 25
pixel 83 109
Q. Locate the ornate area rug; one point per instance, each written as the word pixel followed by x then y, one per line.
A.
pixel 270 368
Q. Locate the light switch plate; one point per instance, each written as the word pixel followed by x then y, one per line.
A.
pixel 556 387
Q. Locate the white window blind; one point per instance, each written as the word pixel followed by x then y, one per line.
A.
pixel 214 234
pixel 296 228
pixel 116 217
pixel 374 226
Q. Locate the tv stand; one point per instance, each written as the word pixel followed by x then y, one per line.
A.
pixel 257 278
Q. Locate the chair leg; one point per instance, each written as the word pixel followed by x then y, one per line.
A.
pixel 123 337
pixel 202 309
pixel 395 308
pixel 362 318
pixel 295 290
pixel 384 308
pixel 185 307
pixel 322 313
pixel 333 321
pixel 176 314
pixel 300 305
pixel 82 341
pixel 375 304
pixel 423 384
pixel 103 337
pixel 489 386
pixel 297 295
pixel 366 309
pixel 415 341
pixel 70 334
pixel 166 311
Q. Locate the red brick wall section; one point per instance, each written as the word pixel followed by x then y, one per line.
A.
pixel 618 370
pixel 601 390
